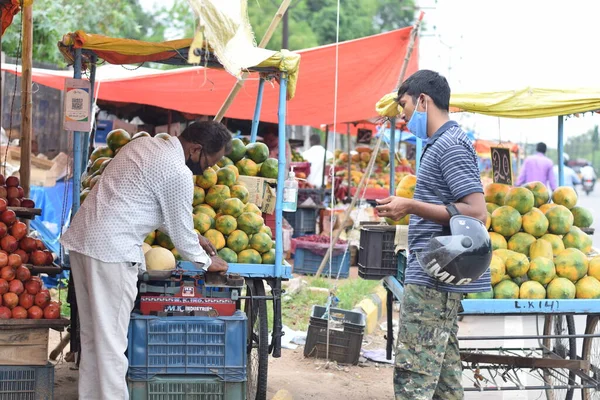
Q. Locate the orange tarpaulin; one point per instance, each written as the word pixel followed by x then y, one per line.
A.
pixel 9 10
pixel 368 67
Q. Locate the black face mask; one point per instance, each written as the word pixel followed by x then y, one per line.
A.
pixel 195 167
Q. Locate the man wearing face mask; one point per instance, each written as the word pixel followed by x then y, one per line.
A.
pixel 427 364
pixel 147 186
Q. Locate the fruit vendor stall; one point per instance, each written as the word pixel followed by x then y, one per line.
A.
pixel 543 265
pixel 231 202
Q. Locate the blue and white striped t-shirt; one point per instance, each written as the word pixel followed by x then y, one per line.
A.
pixel 449 164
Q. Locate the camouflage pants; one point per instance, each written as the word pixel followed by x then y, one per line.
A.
pixel 427 364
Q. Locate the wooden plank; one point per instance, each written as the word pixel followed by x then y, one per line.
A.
pixel 23 212
pixel 56 324
pixel 26 97
pixel 524 362
pixel 24 346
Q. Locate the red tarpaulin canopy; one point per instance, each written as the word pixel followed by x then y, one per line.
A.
pixel 368 68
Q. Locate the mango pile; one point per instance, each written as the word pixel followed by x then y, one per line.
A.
pixel 251 159
pixel 539 248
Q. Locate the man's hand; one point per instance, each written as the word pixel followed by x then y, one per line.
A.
pixel 218 265
pixel 207 246
pixel 394 207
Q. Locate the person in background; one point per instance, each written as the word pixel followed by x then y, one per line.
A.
pixel 538 168
pixel 588 173
pixel 571 179
pixel 271 139
pixel 147 186
pixel 316 157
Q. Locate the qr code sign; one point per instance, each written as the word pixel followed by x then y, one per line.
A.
pixel 77 104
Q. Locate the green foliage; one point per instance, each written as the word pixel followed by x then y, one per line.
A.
pixel 311 22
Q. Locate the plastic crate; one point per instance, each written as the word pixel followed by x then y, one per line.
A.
pixel 346 332
pixel 27 382
pixel 306 262
pixel 316 195
pixel 184 387
pixel 187 345
pixel 377 256
pixel 303 221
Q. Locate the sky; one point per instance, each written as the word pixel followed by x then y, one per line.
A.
pixel 486 45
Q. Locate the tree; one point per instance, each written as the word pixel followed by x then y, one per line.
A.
pixel 52 19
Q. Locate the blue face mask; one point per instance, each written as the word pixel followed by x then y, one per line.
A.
pixel 417 124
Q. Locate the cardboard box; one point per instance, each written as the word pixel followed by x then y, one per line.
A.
pixel 43 172
pixel 262 192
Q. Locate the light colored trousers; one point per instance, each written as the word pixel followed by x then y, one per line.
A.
pixel 105 295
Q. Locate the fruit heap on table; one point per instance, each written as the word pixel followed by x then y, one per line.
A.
pixel 539 248
pixel 21 295
pixel 297 157
pixel 222 213
pixel 380 177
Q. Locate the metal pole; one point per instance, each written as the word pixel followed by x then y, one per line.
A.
pixel 392 156
pixel 561 158
pixel 390 324
pixel 26 99
pixel 256 119
pixel 418 153
pixel 280 177
pixel 77 145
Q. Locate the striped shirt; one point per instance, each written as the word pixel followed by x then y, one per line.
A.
pixel 449 164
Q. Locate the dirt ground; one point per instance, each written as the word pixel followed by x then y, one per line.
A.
pixel 304 378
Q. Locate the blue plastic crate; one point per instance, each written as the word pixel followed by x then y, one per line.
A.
pixel 19 382
pixel 306 262
pixel 184 387
pixel 187 345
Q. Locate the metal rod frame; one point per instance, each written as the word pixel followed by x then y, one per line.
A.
pixel 256 118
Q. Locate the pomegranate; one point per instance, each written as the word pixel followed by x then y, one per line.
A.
pixel 33 286
pixel 27 244
pixel 23 254
pixel 9 244
pixel 42 299
pixel 3 259
pixel 10 300
pixel 3 229
pixel 38 257
pixel 3 204
pixel 35 312
pixel 7 273
pixel 14 203
pixel 52 311
pixel 2 181
pixel 27 203
pixel 12 181
pixel 12 193
pixel 3 194
pixel 26 300
pixel 8 217
pixel 49 257
pixel 5 313
pixel 23 274
pixel 14 260
pixel 19 313
pixel 21 192
pixel 40 245
pixel 16 286
pixel 3 286
pixel 18 230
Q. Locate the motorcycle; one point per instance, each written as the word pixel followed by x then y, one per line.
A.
pixel 588 186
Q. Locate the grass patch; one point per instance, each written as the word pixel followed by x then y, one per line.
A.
pixel 354 291
pixel 296 311
pixel 61 292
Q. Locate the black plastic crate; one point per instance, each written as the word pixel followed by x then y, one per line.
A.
pixel 346 330
pixel 377 256
pixel 315 194
pixel 304 220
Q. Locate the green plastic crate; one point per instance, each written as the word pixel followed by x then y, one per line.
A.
pixel 186 387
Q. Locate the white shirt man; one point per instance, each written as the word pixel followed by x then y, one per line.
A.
pixel 147 186
pixel 316 156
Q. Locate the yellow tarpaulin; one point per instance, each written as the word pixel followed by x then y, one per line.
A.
pixel 523 103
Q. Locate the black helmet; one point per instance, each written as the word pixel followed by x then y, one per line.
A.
pixel 460 258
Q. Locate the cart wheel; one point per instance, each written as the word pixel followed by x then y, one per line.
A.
pixel 258 344
pixel 563 348
pixel 591 353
